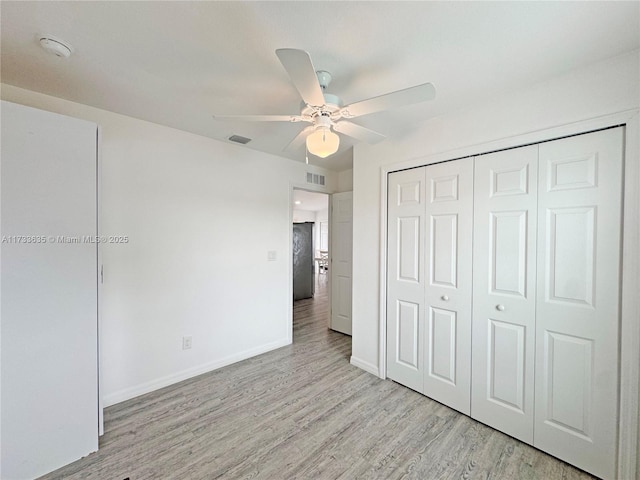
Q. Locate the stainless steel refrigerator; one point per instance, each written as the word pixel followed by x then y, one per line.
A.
pixel 303 284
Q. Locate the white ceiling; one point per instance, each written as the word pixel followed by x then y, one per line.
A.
pixel 177 63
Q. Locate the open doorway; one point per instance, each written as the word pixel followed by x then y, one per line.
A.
pixel 310 248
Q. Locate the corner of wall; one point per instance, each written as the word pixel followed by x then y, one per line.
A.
pixel 366 366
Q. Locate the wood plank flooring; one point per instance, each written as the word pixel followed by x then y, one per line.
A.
pixel 302 412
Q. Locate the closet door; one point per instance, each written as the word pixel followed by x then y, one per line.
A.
pixel 504 273
pixel 405 278
pixel 449 229
pixel 579 222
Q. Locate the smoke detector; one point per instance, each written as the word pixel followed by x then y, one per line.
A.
pixel 55 46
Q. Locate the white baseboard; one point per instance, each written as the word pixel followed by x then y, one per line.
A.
pixel 147 387
pixel 366 366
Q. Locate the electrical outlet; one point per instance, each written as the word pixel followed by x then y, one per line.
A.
pixel 186 342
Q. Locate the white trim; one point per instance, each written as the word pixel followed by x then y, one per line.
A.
pixel 330 271
pixel 290 267
pixel 382 340
pixel 364 365
pixel 147 387
pixel 630 307
pixel 99 292
pixel 629 428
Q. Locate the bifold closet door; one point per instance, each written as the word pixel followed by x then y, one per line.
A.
pixel 430 222
pixel 405 277
pixel 579 228
pixel 448 236
pixel 504 279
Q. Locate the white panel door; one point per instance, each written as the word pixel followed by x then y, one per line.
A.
pixel 49 291
pixel 448 257
pixel 406 278
pixel 341 259
pixel 578 298
pixel 504 274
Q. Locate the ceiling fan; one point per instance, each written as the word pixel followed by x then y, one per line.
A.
pixel 325 112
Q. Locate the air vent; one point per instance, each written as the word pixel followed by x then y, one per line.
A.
pixel 315 178
pixel 239 139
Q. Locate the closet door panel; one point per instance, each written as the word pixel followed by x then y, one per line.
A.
pixel 406 278
pixel 504 272
pixel 579 221
pixel 449 227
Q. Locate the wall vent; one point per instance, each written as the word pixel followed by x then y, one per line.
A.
pixel 239 139
pixel 315 178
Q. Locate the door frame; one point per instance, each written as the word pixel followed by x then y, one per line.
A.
pixel 313 189
pixel 629 429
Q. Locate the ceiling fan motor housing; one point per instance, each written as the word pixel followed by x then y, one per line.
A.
pixel 323 121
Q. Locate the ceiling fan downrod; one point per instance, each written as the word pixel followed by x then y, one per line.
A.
pixel 324 79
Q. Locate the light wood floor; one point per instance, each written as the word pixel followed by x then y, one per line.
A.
pixel 302 412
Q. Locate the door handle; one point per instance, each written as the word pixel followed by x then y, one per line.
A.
pixel 445 298
pixel 500 308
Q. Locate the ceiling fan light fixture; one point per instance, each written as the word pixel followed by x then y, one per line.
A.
pixel 323 142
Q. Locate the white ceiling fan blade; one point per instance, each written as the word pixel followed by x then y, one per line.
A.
pixel 298 65
pixel 419 93
pixel 299 139
pixel 265 118
pixel 358 132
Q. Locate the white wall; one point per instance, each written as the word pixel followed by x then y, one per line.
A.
pixel 303 216
pixel 322 216
pixel 200 215
pixel 607 87
pixel 345 180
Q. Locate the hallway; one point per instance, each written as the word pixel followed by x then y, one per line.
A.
pixel 311 315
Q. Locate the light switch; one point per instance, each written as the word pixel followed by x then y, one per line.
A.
pixel 271 255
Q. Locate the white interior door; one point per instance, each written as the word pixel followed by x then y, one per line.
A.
pixel 448 257
pixel 49 291
pixel 504 279
pixel 578 298
pixel 405 277
pixel 341 259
